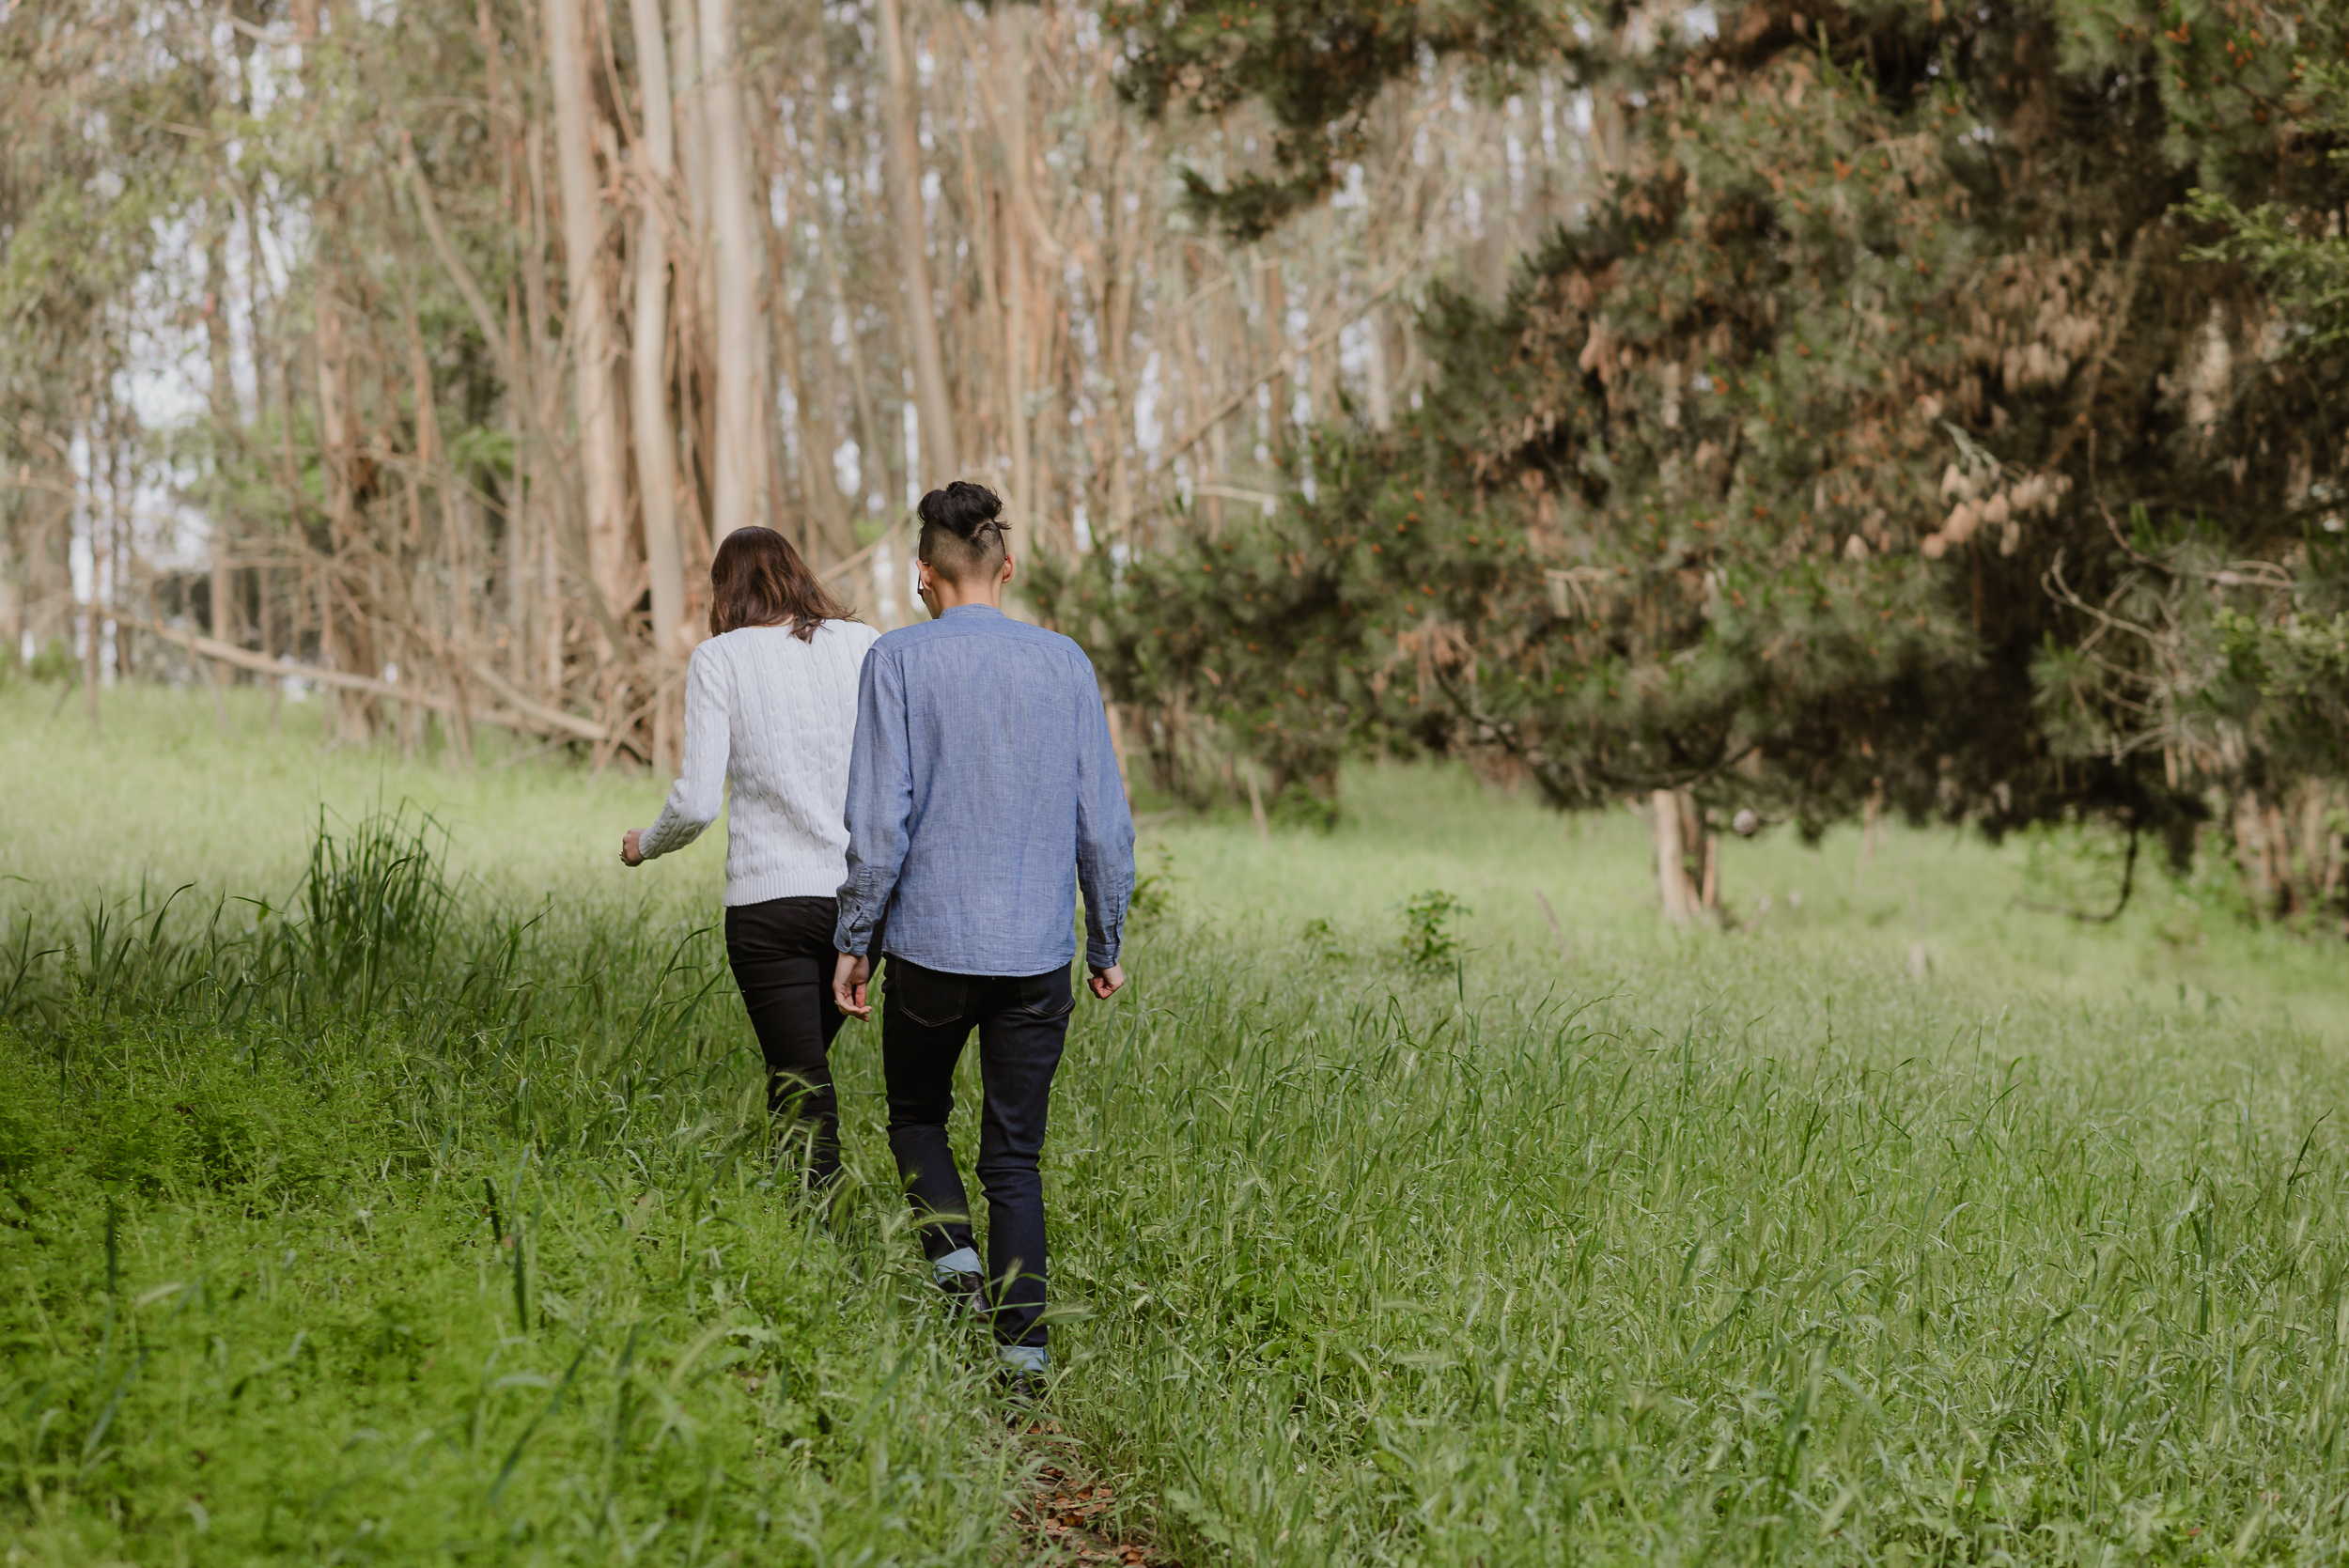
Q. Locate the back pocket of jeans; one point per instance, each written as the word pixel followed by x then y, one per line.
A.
pixel 927 996
pixel 1050 998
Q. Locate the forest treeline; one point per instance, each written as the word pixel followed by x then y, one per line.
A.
pixel 429 347
pixel 1763 411
pixel 1938 411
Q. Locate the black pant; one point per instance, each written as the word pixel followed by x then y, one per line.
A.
pixel 782 958
pixel 925 1017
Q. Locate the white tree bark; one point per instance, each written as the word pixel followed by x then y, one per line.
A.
pixel 939 448
pixel 228 626
pixel 739 461
pixel 343 637
pixel 656 444
pixel 693 150
pixel 1009 44
pixel 595 399
pixel 1276 315
pixel 1381 373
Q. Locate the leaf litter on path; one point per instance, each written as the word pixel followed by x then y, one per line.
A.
pixel 1069 1515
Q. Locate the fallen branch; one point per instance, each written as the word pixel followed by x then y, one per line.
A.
pixel 549 718
pixel 532 719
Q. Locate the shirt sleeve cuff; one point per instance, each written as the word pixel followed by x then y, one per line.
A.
pixel 852 935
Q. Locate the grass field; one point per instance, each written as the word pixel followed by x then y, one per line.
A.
pixel 419 1209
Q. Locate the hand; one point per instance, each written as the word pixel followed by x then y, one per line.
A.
pixel 629 853
pixel 848 978
pixel 1105 982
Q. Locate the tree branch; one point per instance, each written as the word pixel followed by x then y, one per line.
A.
pixel 530 718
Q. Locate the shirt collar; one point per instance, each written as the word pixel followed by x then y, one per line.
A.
pixel 973 609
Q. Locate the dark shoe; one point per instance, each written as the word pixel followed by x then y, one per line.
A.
pixel 1020 1370
pixel 966 1293
pixel 1023 1396
pixel 957 1274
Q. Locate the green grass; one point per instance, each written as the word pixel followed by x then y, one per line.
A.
pixel 1407 830
pixel 161 794
pixel 1742 1245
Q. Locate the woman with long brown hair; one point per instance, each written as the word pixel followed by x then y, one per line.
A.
pixel 771 707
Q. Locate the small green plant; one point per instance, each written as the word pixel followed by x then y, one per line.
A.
pixel 375 895
pixel 1297 806
pixel 1429 943
pixel 55 664
pixel 1153 897
pixel 1322 938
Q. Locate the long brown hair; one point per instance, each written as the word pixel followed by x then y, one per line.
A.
pixel 759 580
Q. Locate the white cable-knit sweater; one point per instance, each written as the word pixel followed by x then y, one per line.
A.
pixel 776 716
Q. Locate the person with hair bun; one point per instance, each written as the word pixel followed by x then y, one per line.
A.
pixel 771 709
pixel 982 795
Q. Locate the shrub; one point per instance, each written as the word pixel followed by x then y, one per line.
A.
pixel 1153 897
pixel 1429 943
pixel 1297 806
pixel 55 664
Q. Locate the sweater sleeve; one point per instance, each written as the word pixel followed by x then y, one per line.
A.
pixel 699 792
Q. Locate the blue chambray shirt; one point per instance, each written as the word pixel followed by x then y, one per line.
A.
pixel 981 776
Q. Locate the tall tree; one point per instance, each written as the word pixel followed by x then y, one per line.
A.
pixel 589 309
pixel 648 364
pixel 905 201
pixel 740 457
pixel 1778 479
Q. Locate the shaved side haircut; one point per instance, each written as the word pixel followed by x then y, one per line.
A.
pixel 963 532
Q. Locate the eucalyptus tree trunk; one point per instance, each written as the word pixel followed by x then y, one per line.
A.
pixel 939 448
pixel 648 359
pixel 11 603
pixel 226 624
pixel 831 526
pixel 47 533
pixel 343 640
pixel 1276 311
pixel 1381 373
pixel 739 461
pixel 343 634
pixel 1009 44
pixel 824 533
pixel 590 310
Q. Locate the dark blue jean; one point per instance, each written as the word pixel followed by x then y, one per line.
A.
pixel 927 1017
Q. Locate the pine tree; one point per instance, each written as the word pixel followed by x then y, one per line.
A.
pixel 1796 476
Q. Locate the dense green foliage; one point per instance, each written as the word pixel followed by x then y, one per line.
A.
pixel 388 1227
pixel 1889 428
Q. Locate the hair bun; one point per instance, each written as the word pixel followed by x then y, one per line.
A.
pixel 969 512
pixel 963 529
